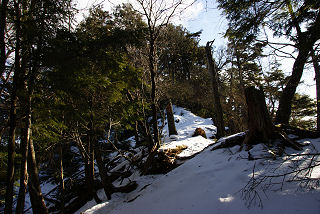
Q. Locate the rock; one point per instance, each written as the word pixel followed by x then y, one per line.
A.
pixel 199 131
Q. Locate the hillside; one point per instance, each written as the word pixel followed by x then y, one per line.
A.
pixel 224 180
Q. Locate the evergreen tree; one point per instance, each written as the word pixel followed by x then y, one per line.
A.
pixel 285 18
pixel 34 23
pixel 91 76
pixel 242 70
pixel 303 112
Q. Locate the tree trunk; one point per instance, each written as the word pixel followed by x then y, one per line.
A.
pixel 3 18
pixel 141 125
pixel 26 102
pixel 62 186
pixel 36 197
pixel 91 149
pixel 156 140
pixel 284 109
pixel 13 117
pixel 170 117
pixel 89 174
pixel 306 40
pixel 88 167
pixel 317 74
pixel 260 125
pixel 216 95
pixel 24 151
pixel 106 182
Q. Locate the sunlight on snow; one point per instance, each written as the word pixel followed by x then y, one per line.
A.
pixel 227 199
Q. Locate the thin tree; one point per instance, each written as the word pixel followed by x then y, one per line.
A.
pixel 316 67
pixel 30 46
pixel 212 68
pixel 158 14
pixel 13 115
pixel 3 18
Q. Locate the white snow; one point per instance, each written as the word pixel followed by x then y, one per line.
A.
pixel 215 181
pixel 186 123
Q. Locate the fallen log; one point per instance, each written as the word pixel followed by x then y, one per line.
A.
pixel 230 141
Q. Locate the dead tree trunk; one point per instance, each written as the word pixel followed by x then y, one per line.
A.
pixel 170 117
pixel 260 125
pixel 216 95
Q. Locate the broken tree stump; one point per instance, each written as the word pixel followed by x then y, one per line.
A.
pixel 260 125
pixel 261 128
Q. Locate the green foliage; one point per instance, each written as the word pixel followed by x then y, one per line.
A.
pixel 179 53
pixel 3 173
pixel 303 112
pixel 247 18
pixel 87 83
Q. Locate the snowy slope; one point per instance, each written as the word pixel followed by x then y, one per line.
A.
pixel 212 181
pixel 186 123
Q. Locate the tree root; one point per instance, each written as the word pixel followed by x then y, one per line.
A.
pixel 279 133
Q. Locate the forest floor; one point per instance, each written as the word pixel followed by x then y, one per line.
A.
pixel 222 181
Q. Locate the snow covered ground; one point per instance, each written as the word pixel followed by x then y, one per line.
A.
pixel 222 181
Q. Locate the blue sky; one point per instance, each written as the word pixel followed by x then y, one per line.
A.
pixel 202 15
pixel 211 22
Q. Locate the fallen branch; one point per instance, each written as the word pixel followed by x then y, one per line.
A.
pixel 288 142
pixel 230 141
pixel 301 133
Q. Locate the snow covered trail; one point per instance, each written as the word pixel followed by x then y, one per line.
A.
pixel 212 181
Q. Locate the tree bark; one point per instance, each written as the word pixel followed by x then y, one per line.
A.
pixel 13 117
pixel 62 186
pixel 91 151
pixel 24 151
pixel 89 174
pixel 106 182
pixel 306 40
pixel 3 18
pixel 284 109
pixel 26 104
pixel 216 95
pixel 170 117
pixel 86 154
pixel 260 125
pixel 317 74
pixel 36 197
pixel 156 140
